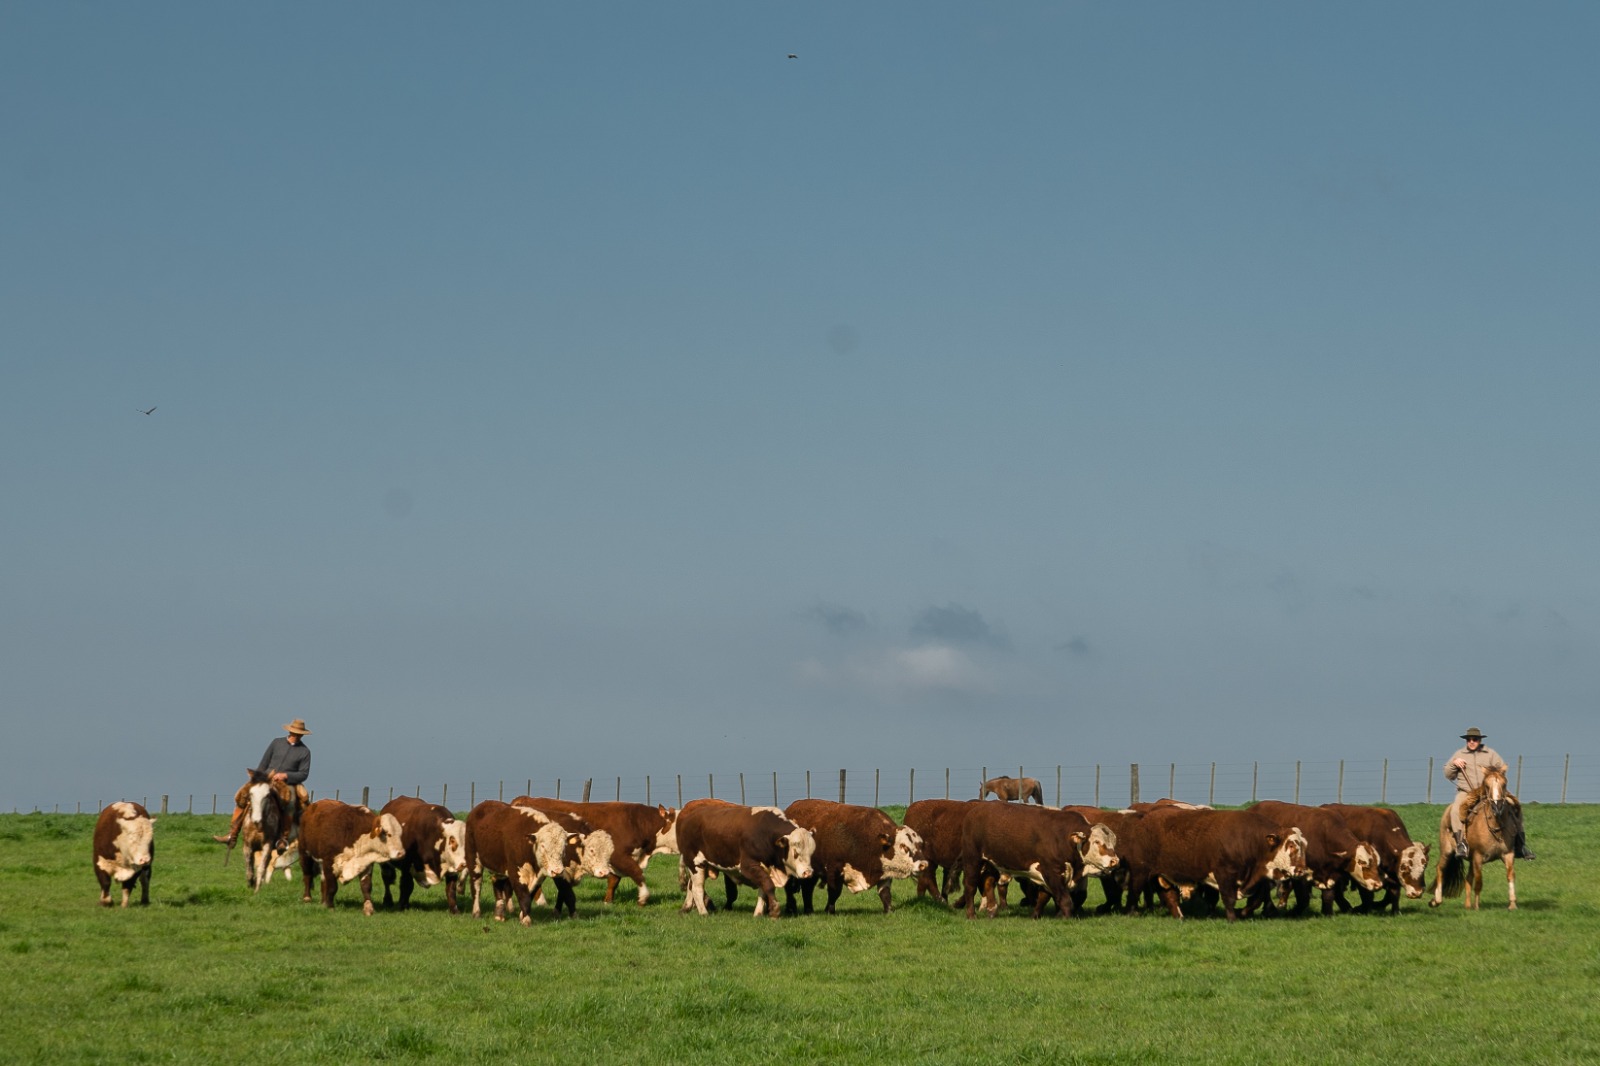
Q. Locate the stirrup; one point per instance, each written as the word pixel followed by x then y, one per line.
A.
pixel 1461 847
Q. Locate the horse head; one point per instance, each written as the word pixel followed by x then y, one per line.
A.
pixel 1494 789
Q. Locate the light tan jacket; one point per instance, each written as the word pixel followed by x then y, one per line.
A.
pixel 1484 758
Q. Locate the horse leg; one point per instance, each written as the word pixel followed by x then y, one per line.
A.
pixel 1474 881
pixel 1511 881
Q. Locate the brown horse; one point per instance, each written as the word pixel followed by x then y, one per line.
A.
pixel 1493 825
pixel 271 824
pixel 1012 788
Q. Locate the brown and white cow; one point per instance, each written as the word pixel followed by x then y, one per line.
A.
pixel 435 844
pixel 637 831
pixel 938 822
pixel 1052 849
pixel 757 846
pixel 595 851
pixel 1011 788
pixel 857 848
pixel 1333 852
pixel 124 848
pixel 1229 851
pixel 518 845
pixel 1132 855
pixel 1402 862
pixel 342 842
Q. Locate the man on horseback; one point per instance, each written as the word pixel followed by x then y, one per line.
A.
pixel 287 760
pixel 1466 768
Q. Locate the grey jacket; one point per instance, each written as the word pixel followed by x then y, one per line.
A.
pixel 292 759
pixel 1484 758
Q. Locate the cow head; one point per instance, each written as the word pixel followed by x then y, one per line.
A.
pixel 550 843
pixel 1099 850
pixel 452 847
pixel 1287 855
pixel 598 847
pixel 797 847
pixel 667 835
pixel 1363 868
pixel 903 853
pixel 1414 870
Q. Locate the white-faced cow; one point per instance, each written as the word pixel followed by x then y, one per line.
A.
pixel 1051 849
pixel 857 848
pixel 124 848
pixel 595 850
pixel 1402 862
pixel 518 846
pixel 342 842
pixel 435 844
pixel 637 831
pixel 1231 852
pixel 1333 853
pixel 758 846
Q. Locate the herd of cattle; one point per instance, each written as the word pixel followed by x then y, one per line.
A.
pixel 1190 858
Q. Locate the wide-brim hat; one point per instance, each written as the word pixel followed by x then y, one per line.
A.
pixel 1472 734
pixel 298 726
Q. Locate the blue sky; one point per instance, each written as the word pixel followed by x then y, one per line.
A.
pixel 589 390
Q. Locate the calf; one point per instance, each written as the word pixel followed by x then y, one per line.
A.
pixel 857 848
pixel 435 845
pixel 343 842
pixel 1333 853
pixel 519 846
pixel 1050 848
pixel 1229 851
pixel 938 823
pixel 758 846
pixel 124 848
pixel 1402 862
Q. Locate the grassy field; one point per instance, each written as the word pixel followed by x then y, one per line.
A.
pixel 209 973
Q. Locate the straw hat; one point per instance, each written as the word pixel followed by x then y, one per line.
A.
pixel 299 726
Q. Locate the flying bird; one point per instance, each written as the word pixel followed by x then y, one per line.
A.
pixel 144 412
pixel 793 56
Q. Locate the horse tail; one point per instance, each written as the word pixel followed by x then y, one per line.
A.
pixel 1453 876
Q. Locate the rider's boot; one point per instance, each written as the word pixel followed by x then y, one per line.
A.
pixel 233 828
pixel 1461 845
pixel 1520 849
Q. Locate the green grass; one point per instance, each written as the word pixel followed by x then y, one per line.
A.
pixel 209 973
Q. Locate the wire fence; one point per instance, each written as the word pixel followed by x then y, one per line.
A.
pixel 1533 778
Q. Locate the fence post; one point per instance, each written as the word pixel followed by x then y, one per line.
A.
pixel 981 780
pixel 1097 784
pixel 911 789
pixel 1430 780
pixel 947 782
pixel 1297 782
pixel 1517 789
pixel 1172 780
pixel 558 788
pixel 1020 797
pixel 1133 783
pixel 1255 779
pixel 336 795
pixel 501 795
pixel 619 788
pixel 680 792
pixel 741 788
pixel 213 803
pixel 1383 790
pixel 647 799
pixel 1565 766
pixel 711 785
pixel 774 788
pixel 391 793
pixel 444 795
pixel 588 783
pixel 808 784
pixel 1211 800
pixel 877 777
pixel 191 803
pixel 530 787
pixel 1340 793
pixel 1058 784
pixel 364 802
pixel 841 785
pixel 419 792
pixel 163 804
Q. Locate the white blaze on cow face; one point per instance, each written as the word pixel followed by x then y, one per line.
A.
pixel 380 844
pixel 902 859
pixel 598 847
pixel 1289 858
pixel 1099 851
pixel 453 848
pixel 798 852
pixel 667 837
pixel 549 842
pixel 1414 870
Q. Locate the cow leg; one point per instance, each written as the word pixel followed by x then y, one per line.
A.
pixel 524 896
pixel 330 886
pixel 624 865
pixel 565 897
pixel 386 871
pixel 365 881
pixel 408 885
pixel 835 890
pixel 1056 886
pixel 475 887
pixel 886 893
pixel 791 892
pixel 308 873
pixel 105 886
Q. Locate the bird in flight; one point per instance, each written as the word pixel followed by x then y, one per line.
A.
pixel 793 56
pixel 145 412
